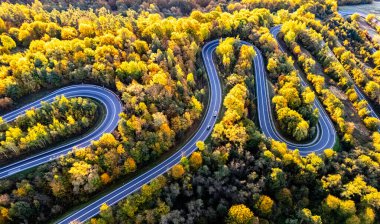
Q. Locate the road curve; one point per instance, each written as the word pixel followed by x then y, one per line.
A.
pixel 208 122
pixel 326 140
pixel 104 96
pixel 326 134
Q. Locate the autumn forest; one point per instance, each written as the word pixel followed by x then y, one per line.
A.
pixel 189 111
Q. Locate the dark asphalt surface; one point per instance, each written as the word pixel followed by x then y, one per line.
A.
pixel 326 140
pixel 326 134
pixel 106 97
pixel 203 132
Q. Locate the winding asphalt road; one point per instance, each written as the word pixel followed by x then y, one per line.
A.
pixel 325 130
pixel 326 134
pixel 106 97
pixel 325 139
pixel 208 122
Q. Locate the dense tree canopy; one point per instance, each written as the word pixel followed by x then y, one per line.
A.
pixel 153 63
pixel 48 125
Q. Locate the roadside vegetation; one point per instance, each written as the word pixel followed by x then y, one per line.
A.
pixel 263 182
pixel 157 77
pixel 39 129
pixel 256 180
pixel 152 61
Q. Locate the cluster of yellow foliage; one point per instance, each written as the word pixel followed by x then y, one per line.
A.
pixel 41 127
pixel 240 214
pixel 177 171
pixel 332 103
pixel 225 51
pixel 230 128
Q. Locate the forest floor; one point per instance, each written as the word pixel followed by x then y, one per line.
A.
pixel 372 32
pixel 361 133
